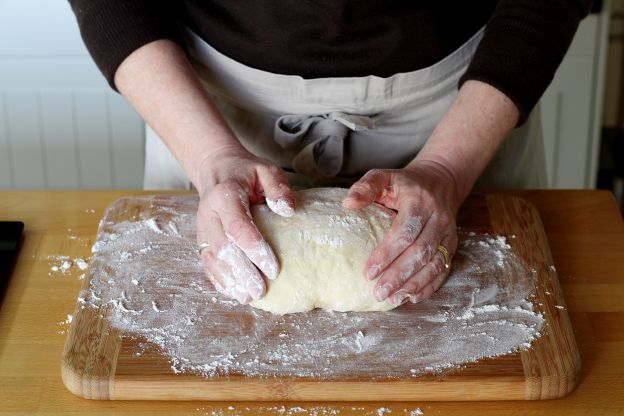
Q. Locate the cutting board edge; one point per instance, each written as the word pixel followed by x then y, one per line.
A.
pixel 307 390
pixel 103 387
pixel 79 357
pixel 565 378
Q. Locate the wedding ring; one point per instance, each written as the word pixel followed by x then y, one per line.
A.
pixel 445 253
pixel 202 246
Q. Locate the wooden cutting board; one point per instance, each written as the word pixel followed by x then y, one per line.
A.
pixel 100 362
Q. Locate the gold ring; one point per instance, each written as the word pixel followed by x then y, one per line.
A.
pixel 445 253
pixel 202 246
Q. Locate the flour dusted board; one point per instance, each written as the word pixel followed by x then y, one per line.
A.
pixel 103 362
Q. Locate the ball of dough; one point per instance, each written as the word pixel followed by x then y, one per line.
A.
pixel 322 250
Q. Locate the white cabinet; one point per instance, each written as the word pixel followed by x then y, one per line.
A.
pixel 572 108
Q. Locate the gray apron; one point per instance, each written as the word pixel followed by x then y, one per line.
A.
pixel 330 131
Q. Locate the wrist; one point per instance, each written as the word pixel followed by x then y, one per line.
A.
pixel 447 179
pixel 204 174
pixel 470 133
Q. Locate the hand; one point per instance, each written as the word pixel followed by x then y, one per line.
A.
pixel 427 200
pixel 230 181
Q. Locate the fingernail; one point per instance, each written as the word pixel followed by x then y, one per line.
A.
pixel 239 292
pixel 373 271
pixel 244 299
pixel 352 196
pixel 400 297
pixel 265 259
pixel 273 271
pixel 415 298
pixel 382 292
pixel 255 289
pixel 234 293
pixel 281 207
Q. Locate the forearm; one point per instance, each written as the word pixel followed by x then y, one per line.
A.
pixel 159 82
pixel 470 133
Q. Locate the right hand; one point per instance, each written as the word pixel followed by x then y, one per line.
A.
pixel 230 181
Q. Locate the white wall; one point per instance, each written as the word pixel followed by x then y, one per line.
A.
pixel 615 72
pixel 62 127
pixel 572 107
pixel 60 124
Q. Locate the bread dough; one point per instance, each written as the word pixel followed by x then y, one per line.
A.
pixel 322 250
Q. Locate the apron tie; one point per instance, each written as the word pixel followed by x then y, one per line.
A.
pixel 318 139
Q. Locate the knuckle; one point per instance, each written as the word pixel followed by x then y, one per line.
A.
pixel 413 284
pixel 406 274
pixel 421 256
pixel 446 220
pixel 238 229
pixel 405 238
pixel 392 249
pixel 437 266
pixel 423 253
pixel 274 171
pixel 372 173
pixel 368 178
pixel 208 257
pixel 361 187
pixel 224 190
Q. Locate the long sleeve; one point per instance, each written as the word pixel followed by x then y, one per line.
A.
pixel 523 45
pixel 524 42
pixel 113 29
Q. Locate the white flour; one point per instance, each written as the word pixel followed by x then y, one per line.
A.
pixel 280 207
pixel 147 272
pixel 65 266
pixel 294 410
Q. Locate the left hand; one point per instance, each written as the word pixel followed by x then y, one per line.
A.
pixel 426 196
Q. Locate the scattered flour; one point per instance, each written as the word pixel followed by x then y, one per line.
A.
pixel 64 266
pixel 149 281
pixel 294 410
pixel 65 323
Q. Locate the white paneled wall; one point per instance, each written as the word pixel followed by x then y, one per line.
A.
pixel 61 126
pixel 572 107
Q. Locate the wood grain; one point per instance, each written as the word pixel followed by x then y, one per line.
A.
pixel 585 234
pixel 552 366
pixel 100 363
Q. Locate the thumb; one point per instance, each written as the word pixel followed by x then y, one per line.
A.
pixel 279 197
pixel 367 190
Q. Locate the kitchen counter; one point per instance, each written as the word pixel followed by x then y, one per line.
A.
pixel 586 236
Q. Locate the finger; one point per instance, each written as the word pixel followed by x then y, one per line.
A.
pixel 405 229
pixel 428 279
pixel 279 196
pixel 417 255
pixel 423 284
pixel 427 237
pixel 231 204
pixel 412 260
pixel 230 271
pixel 367 190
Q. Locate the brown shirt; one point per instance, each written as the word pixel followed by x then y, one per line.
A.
pixel 524 42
